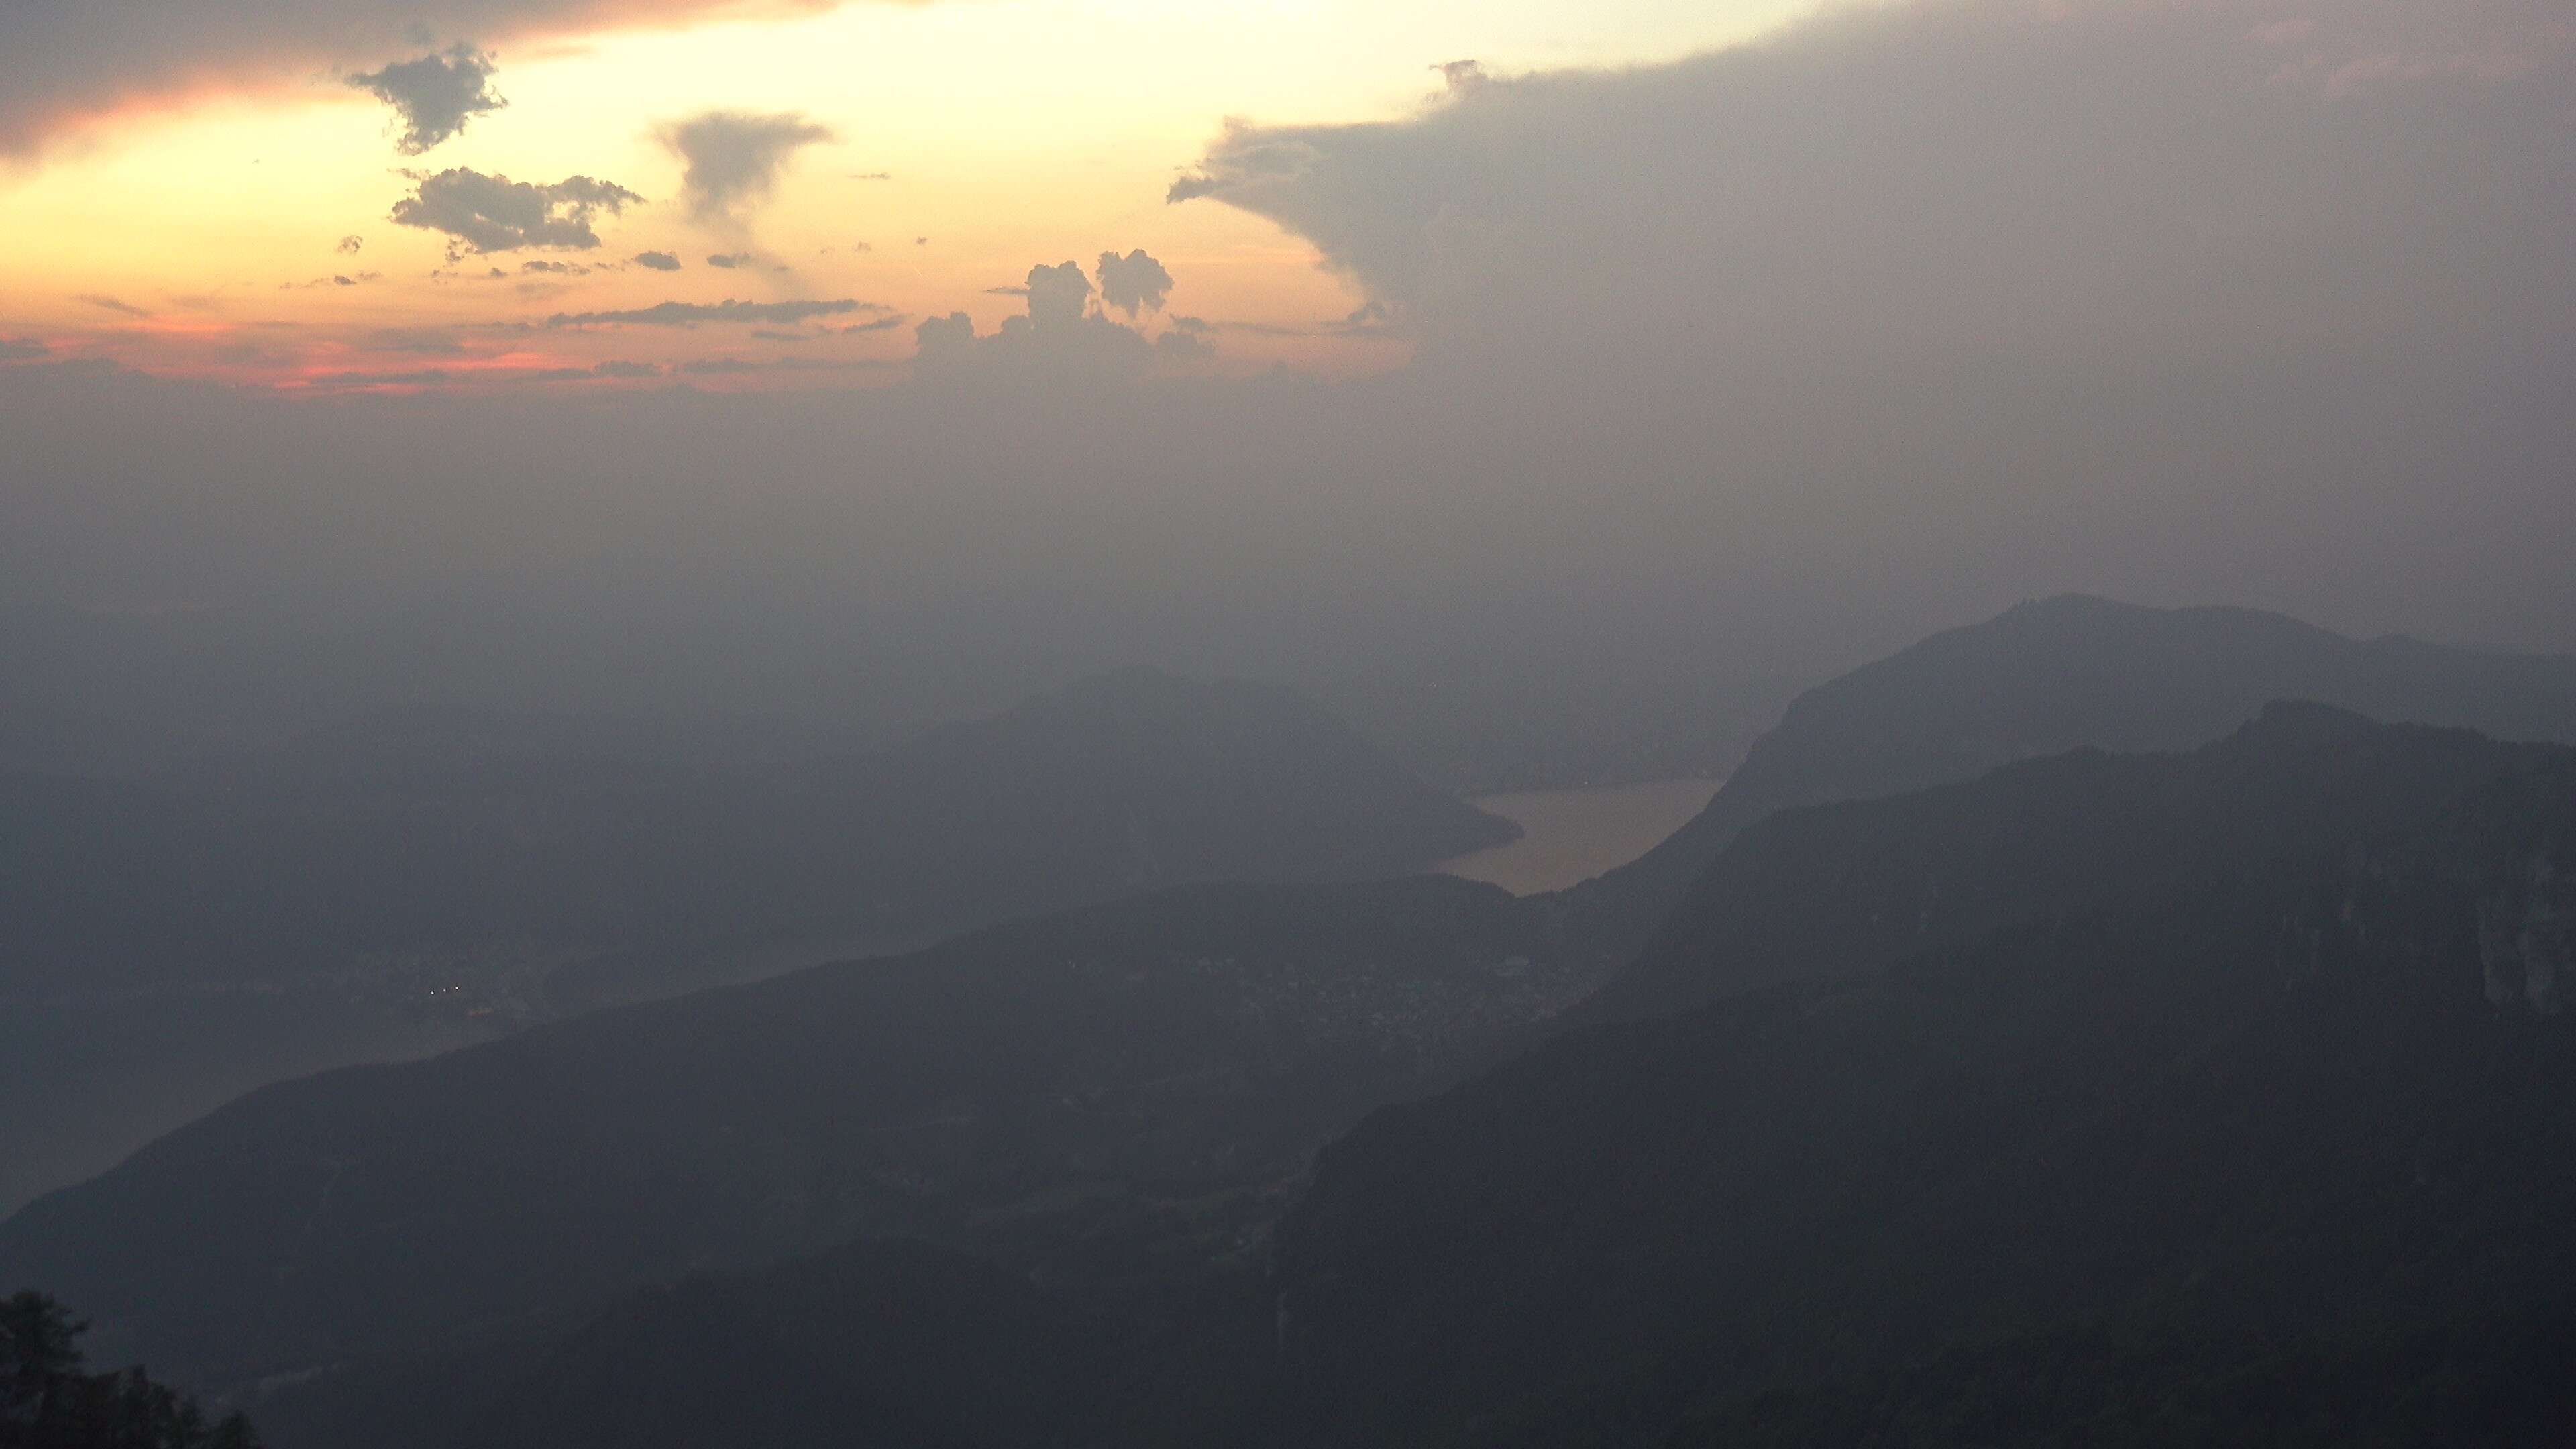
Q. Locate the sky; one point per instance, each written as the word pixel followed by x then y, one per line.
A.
pixel 231 212
pixel 1283 337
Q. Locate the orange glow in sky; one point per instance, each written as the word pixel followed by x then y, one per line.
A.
pixel 244 232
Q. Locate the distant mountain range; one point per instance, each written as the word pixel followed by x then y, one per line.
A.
pixel 427 878
pixel 426 838
pixel 2060 674
pixel 2095 1098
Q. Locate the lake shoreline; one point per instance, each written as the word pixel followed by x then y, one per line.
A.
pixel 1569 836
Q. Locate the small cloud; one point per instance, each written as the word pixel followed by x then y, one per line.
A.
pixel 863 246
pixel 733 159
pixel 1370 319
pixel 871 176
pixel 730 260
pixel 435 95
pixel 658 261
pixel 691 314
pixel 1462 75
pixel 1061 330
pixel 22 349
pixel 921 241
pixel 1133 284
pixel 106 303
pixel 338 279
pixel 556 269
pixel 482 213
pixel 885 323
pixel 777 334
pixel 1058 293
pixel 628 369
pixel 944 340
pixel 350 246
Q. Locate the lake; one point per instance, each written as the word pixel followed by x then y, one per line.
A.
pixel 1568 836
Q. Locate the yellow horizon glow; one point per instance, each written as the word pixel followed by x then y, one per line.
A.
pixel 1015 131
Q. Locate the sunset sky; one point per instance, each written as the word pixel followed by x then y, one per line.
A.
pixel 232 217
pixel 1789 327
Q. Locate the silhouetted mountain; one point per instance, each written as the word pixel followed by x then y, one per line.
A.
pixel 2061 674
pixel 444 842
pixel 876 1342
pixel 2259 1045
pixel 1171 1060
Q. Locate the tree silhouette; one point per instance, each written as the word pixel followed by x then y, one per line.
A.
pixel 48 1402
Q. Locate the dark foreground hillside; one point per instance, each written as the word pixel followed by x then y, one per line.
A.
pixel 2236 1126
pixel 1157 1071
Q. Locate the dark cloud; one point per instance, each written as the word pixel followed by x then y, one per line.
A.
pixel 1057 294
pixel 352 245
pixel 886 323
pixel 482 213
pixel 733 159
pixel 22 349
pixel 116 305
pixel 62 61
pixel 337 279
pixel 730 260
pixel 2107 180
pixel 435 95
pixel 1061 333
pixel 1244 159
pixel 1133 284
pixel 691 314
pixel 628 369
pixel 1369 319
pixel 657 261
pixel 555 269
